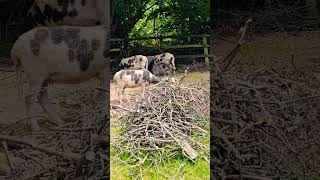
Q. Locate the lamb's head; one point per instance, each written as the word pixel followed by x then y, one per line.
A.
pixel 142 61
pixel 155 79
pixel 169 79
pixel 174 71
pixel 173 80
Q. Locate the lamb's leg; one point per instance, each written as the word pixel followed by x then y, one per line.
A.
pixel 143 90
pixel 46 106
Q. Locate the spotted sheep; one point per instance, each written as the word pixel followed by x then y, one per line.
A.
pixel 134 62
pixel 65 12
pixel 166 58
pixel 133 78
pixel 62 54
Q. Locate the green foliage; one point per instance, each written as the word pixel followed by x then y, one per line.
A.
pixel 149 18
pixel 173 17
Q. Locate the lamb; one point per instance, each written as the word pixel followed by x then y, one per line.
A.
pixel 62 54
pixel 134 62
pixel 133 78
pixel 166 58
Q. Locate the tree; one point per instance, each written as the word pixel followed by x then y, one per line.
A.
pixel 161 17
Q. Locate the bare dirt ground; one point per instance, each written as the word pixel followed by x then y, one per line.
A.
pixel 12 109
pixel 275 47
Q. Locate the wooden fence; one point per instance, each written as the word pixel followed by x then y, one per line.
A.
pixel 202 43
pixel 8 32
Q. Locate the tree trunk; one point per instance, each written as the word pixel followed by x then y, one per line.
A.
pixel 213 19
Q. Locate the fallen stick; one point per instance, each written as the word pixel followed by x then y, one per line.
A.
pixel 72 129
pixel 253 177
pixel 123 108
pixel 228 59
pixel 102 89
pixel 7 77
pixel 7 70
pixel 300 99
pixel 5 146
pixel 20 120
pixel 184 76
pixel 12 139
pixel 183 144
pixel 34 159
pixel 180 168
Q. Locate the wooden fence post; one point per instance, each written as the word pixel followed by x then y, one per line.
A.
pixel 205 49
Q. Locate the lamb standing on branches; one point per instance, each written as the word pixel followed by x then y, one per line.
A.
pixel 133 78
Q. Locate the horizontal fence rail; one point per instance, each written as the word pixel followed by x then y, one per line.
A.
pixel 7 32
pixel 202 44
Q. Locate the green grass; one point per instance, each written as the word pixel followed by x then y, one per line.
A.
pixel 199 169
pixel 276 47
pixel 195 77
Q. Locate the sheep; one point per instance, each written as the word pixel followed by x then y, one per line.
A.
pixel 166 58
pixel 63 55
pixel 133 78
pixel 64 12
pixel 134 62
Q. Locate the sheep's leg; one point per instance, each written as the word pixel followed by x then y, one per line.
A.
pixel 126 97
pixel 46 105
pixel 105 96
pixel 102 96
pixel 34 88
pixel 119 93
pixel 33 122
pixel 123 95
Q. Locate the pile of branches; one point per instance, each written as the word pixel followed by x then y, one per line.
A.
pixel 77 150
pixel 169 118
pixel 266 121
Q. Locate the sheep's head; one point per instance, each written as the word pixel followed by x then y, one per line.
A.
pixel 141 58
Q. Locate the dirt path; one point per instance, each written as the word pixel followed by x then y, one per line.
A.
pixel 276 47
pixel 11 109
